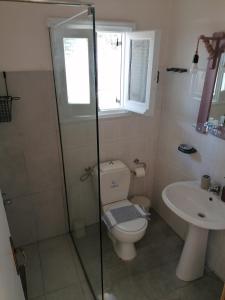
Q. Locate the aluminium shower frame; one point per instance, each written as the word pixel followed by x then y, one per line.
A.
pixel 91 10
pixel 60 2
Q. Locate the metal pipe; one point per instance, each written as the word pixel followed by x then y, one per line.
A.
pixel 70 19
pixel 60 2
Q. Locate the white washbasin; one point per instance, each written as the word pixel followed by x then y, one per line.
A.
pixel 203 211
pixel 195 205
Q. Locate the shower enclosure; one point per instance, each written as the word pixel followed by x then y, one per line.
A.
pixel 49 146
pixel 74 60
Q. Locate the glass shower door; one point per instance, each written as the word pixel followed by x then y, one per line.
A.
pixel 73 52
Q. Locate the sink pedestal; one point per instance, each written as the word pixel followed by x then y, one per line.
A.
pixel 192 260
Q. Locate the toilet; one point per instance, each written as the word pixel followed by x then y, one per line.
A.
pixel 115 182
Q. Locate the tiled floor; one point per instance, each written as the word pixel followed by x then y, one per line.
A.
pixel 89 249
pixel 151 275
pixel 54 272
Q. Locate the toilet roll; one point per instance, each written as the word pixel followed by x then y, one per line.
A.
pixel 139 172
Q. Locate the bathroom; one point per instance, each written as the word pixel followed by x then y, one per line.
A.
pixel 51 151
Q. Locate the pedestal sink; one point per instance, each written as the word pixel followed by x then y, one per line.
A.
pixel 203 211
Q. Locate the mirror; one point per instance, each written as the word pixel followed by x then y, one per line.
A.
pixel 216 120
pixel 217 112
pixel 211 117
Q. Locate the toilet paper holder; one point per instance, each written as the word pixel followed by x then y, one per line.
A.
pixel 139 164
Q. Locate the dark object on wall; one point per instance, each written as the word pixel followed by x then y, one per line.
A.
pixel 177 70
pixel 187 149
pixel 5 109
pixel 223 194
pixel 6 104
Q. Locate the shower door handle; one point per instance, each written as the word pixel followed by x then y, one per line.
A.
pixel 7 202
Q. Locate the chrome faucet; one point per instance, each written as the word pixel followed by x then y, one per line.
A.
pixel 215 188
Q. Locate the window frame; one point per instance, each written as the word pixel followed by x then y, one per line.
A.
pixel 146 107
pixel 104 26
pixel 71 110
pixel 120 27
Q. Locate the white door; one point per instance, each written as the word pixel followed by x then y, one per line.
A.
pixel 10 283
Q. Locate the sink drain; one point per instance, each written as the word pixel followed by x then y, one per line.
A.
pixel 201 215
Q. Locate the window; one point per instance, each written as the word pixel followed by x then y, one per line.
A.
pixel 109 69
pixel 127 68
pixel 141 71
pixel 76 54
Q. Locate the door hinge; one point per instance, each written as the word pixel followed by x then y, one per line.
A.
pixel 158 75
pixel 14 254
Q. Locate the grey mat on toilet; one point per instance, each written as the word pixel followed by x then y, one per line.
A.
pixel 123 214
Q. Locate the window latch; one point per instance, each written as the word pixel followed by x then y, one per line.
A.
pixel 118 43
pixel 118 100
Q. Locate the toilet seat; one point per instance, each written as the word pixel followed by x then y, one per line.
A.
pixel 129 226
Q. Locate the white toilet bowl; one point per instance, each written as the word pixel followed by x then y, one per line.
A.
pixel 115 181
pixel 125 235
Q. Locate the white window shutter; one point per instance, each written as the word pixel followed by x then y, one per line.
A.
pixel 141 71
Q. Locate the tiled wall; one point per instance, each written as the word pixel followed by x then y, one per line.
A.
pixel 217 110
pixel 123 138
pixel 30 160
pixel 191 18
pixel 80 151
pixel 129 138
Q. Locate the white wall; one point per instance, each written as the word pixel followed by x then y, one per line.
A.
pixel 189 20
pixel 25 34
pixel 30 158
pixel 135 136
pixel 124 138
pixel 31 173
pixel 25 47
pixel 24 31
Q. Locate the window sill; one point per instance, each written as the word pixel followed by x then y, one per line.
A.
pixel 106 114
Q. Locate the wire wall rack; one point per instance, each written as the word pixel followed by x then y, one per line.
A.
pixel 6 102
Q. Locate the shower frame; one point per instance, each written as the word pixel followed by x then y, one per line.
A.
pixel 91 10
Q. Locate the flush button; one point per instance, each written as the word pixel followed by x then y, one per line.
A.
pixel 114 185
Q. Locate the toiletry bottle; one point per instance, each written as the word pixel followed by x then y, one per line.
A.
pixel 205 182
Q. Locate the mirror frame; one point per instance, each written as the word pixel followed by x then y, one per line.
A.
pixel 218 44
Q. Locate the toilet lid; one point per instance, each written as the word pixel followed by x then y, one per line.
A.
pixel 129 226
